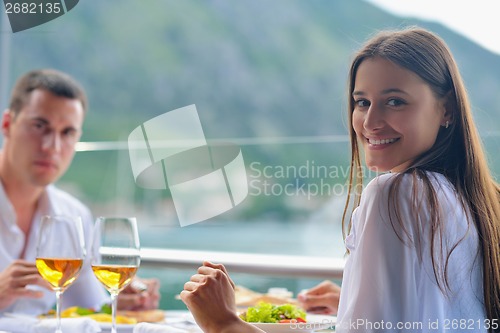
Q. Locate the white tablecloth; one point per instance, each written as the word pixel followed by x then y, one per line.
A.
pixel 25 324
pixel 176 321
pixel 179 321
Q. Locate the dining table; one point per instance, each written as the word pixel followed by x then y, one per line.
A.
pixel 176 321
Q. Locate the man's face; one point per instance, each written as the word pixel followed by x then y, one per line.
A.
pixel 40 140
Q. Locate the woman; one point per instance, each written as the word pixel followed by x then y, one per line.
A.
pixel 424 238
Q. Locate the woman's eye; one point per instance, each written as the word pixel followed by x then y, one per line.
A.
pixel 395 102
pixel 362 103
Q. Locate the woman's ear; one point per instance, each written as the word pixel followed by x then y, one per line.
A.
pixel 447 107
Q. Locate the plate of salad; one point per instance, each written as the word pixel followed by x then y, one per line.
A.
pixel 285 318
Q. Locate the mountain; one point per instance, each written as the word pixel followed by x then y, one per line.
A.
pixel 254 68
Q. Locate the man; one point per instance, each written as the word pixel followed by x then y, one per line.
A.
pixel 40 128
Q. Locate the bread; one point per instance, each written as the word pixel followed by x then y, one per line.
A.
pixel 246 297
pixel 150 316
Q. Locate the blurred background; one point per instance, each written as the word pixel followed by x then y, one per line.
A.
pixel 269 76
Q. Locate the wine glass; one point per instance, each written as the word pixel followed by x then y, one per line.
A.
pixel 59 254
pixel 115 255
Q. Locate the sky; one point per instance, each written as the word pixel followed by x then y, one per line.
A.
pixel 478 20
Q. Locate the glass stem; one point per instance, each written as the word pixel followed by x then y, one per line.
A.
pixel 114 299
pixel 58 311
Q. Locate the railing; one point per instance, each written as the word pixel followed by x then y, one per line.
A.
pixel 281 265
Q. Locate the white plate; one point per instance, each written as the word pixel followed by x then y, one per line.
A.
pixel 120 328
pixel 314 323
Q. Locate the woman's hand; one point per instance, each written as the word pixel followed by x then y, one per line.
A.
pixel 209 295
pixel 15 278
pixel 324 298
pixel 141 294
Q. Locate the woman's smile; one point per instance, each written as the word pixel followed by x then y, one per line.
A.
pixel 381 142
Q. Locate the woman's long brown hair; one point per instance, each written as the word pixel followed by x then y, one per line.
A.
pixel 457 154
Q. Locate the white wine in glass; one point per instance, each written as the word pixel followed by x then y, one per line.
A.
pixel 59 254
pixel 115 255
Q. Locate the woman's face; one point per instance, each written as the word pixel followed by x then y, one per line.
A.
pixel 396 116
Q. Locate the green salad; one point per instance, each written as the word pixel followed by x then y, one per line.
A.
pixel 269 313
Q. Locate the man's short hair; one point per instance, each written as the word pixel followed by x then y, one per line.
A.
pixel 56 82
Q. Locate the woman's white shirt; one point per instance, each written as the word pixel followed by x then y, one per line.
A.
pixel 389 285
